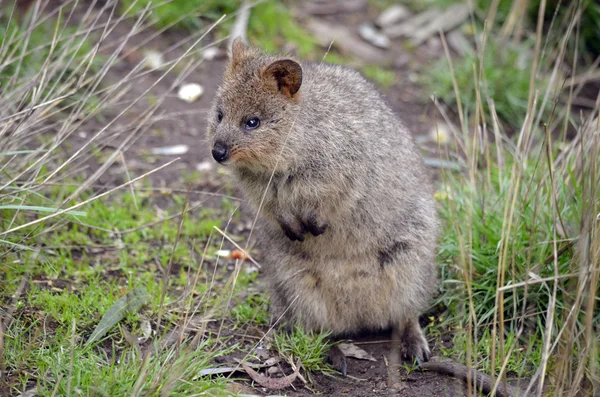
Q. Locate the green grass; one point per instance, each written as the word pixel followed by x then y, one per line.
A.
pixel 307 347
pixel 55 361
pixel 519 202
pixel 519 250
pixel 512 259
pixel 72 285
pixel 66 51
pixel 383 77
pixel 505 80
pixel 270 25
pixel 253 309
pixel 564 11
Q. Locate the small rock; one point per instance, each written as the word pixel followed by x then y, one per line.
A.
pixel 204 166
pixel 250 269
pixel 449 19
pixel 273 371
pixel 373 36
pixel 392 15
pixel 398 386
pixel 407 27
pixel 261 353
pixel 146 329
pixel 153 60
pixel 225 254
pixel 212 53
pixel 272 361
pixel 331 7
pixel 171 150
pixel 82 134
pixel 190 92
pixel 346 41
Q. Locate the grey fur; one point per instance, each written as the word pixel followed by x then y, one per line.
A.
pixel 343 164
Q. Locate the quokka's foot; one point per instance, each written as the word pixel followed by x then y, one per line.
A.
pixel 414 344
pixel 338 360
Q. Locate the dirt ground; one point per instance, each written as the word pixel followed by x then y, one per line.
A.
pixel 184 123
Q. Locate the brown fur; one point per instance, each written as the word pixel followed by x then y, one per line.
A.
pixel 348 226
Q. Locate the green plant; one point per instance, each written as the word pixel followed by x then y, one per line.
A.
pixel 254 309
pixel 308 347
pixel 504 80
pixel 70 250
pixel 184 14
pixel 270 25
pixel 383 77
pixel 64 53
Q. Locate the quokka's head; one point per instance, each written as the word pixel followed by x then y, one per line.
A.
pixel 254 108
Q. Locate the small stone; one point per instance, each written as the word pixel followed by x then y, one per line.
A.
pixel 261 353
pixel 373 36
pixel 153 60
pixel 190 92
pixel 226 254
pixel 204 166
pixel 272 361
pixel 212 53
pixel 392 15
pixel 273 371
pixel 250 269
pixel 171 150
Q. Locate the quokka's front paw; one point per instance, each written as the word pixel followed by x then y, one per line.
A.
pixel 312 225
pixel 295 231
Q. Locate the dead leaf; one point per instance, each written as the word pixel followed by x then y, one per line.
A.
pixel 351 350
pixel 130 302
pixel 228 370
pixel 271 383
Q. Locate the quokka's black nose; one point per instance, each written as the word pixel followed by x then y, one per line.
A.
pixel 220 152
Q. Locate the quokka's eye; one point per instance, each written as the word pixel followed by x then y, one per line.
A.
pixel 252 123
pixel 219 116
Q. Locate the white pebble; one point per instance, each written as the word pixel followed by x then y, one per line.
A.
pixel 190 92
pixel 371 35
pixel 171 150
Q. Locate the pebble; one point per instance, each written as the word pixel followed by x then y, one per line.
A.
pixel 392 15
pixel 190 92
pixel 373 36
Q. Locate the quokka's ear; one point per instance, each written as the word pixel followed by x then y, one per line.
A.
pixel 237 52
pixel 284 76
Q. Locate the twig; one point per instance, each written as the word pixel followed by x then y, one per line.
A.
pixel 240 26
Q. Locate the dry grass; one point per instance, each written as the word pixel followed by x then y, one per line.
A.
pixel 522 242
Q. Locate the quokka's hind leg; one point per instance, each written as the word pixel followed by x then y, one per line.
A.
pixel 337 358
pixel 409 343
pixel 414 344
